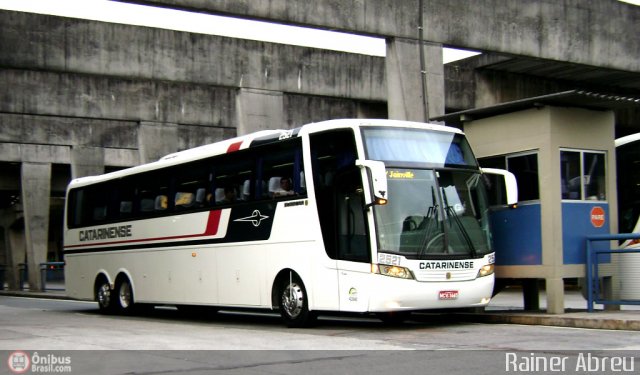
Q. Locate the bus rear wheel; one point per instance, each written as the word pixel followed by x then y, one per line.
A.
pixel 124 296
pixel 104 297
pixel 294 304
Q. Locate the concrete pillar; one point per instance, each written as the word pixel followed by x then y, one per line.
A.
pixel 531 294
pixel 259 110
pixel 555 295
pixel 405 98
pixel 86 161
pixel 17 250
pixel 12 225
pixel 156 140
pixel 36 191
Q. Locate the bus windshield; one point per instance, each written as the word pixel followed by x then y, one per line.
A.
pixel 434 214
pixel 430 148
pixel 437 199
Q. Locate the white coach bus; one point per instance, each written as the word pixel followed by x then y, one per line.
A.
pixel 628 162
pixel 344 216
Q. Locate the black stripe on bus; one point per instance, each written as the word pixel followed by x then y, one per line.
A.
pixel 172 244
pixel 246 224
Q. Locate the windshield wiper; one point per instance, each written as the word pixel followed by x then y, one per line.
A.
pixel 432 223
pixel 453 215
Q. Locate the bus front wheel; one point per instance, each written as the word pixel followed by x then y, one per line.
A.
pixel 294 304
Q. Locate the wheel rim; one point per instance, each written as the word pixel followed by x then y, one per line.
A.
pixel 292 300
pixel 124 294
pixel 104 295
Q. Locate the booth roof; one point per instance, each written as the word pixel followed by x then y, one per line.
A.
pixel 572 98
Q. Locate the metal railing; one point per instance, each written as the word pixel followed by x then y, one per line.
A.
pixel 593 284
pixel 46 269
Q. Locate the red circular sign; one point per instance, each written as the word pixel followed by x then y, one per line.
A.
pixel 597 216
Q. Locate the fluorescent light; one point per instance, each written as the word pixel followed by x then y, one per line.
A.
pixel 171 19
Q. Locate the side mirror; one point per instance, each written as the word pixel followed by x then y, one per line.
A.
pixel 510 183
pixel 378 175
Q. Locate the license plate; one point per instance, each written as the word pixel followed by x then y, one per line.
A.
pixel 448 294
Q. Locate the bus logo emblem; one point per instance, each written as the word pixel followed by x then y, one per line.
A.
pixel 255 218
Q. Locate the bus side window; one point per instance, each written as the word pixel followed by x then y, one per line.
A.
pixel 161 203
pixel 232 177
pixel 201 196
pixel 146 205
pixel 126 208
pixel 99 213
pixel 183 199
pixel 280 168
pixel 246 191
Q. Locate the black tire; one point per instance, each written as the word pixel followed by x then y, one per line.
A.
pixel 293 303
pixel 123 297
pixel 104 297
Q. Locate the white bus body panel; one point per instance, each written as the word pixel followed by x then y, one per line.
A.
pixel 233 274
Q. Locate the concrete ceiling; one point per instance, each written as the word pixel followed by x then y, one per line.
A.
pixel 629 82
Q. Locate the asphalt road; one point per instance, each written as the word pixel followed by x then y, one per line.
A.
pixel 163 341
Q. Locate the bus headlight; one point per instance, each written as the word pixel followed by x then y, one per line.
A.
pixel 393 271
pixel 486 270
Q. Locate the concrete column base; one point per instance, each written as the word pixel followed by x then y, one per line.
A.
pixel 555 295
pixel 531 294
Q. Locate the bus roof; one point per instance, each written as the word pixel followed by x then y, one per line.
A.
pixel 254 139
pixel 627 139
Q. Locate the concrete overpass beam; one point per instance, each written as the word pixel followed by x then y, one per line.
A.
pixel 156 140
pixel 259 110
pixel 406 88
pixel 36 190
pixel 86 161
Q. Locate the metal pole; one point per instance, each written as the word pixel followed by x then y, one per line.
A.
pixel 423 69
pixel 43 276
pixel 589 281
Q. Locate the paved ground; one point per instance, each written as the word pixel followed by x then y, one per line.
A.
pixel 507 307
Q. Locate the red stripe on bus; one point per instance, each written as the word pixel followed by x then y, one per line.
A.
pixel 234 147
pixel 213 224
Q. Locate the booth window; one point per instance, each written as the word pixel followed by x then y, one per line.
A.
pixel 524 166
pixel 583 175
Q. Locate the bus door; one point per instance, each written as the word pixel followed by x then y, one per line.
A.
pixel 353 250
pixel 339 200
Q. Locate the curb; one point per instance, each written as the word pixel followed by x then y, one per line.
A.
pixel 59 295
pixel 554 321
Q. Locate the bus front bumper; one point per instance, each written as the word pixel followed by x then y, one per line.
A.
pixel 389 294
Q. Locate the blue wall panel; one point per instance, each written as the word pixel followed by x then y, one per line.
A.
pixel 576 226
pixel 517 236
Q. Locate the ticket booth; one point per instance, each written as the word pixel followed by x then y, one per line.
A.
pixel 561 149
